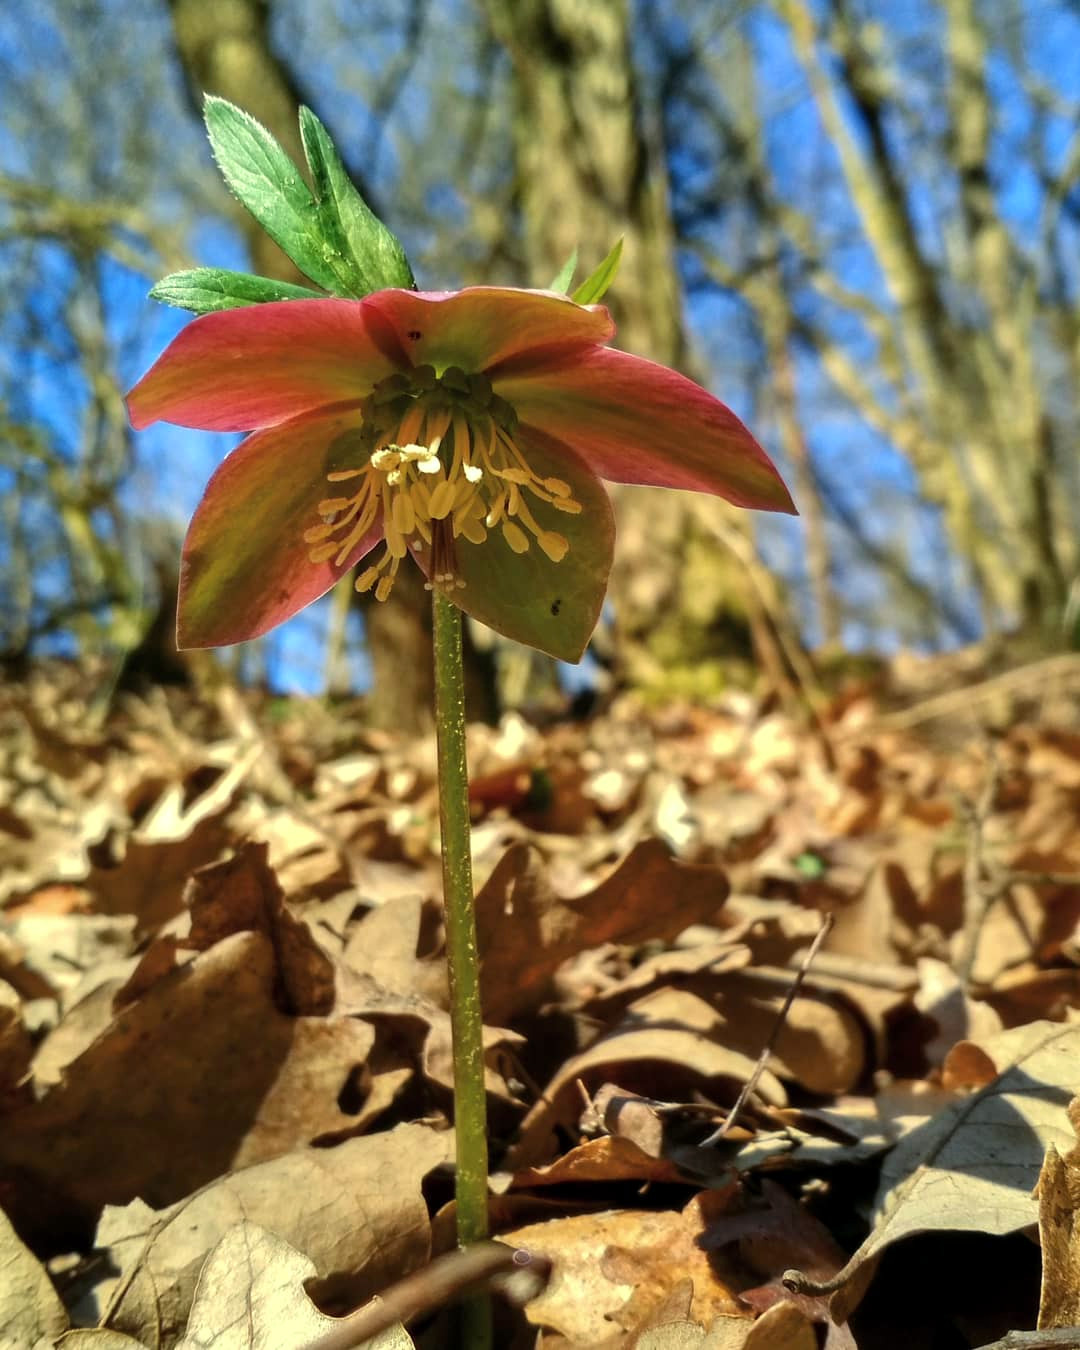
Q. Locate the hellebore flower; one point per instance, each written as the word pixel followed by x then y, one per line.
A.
pixel 467 429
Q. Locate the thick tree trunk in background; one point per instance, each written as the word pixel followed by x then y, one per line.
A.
pixel 225 49
pixel 589 171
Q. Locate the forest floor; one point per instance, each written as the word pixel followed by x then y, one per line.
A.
pixel 225 1072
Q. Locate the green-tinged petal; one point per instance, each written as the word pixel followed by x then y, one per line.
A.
pixel 525 596
pixel 482 325
pixel 245 566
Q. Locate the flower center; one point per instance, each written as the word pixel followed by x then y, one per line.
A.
pixel 443 466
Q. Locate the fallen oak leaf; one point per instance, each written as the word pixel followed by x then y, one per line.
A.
pixel 525 931
pixel 149 877
pixel 615 1268
pixel 361 1219
pixel 138 1113
pixel 242 893
pixel 97 1338
pixel 250 1296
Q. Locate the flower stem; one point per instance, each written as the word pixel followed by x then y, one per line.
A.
pixel 470 1108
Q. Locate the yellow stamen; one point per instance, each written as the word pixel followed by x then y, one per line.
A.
pixel 444 466
pixel 515 536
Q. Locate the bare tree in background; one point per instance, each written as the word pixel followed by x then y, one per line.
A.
pixel 74 559
pixel 939 324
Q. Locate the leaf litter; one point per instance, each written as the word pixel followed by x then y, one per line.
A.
pixel 225 1073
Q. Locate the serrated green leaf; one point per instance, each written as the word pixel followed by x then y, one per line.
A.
pixel 565 275
pixel 596 284
pixel 269 184
pixel 372 254
pixel 205 290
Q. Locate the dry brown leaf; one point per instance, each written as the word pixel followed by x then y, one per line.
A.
pixel 200 1075
pixel 426 1027
pixel 611 1270
pixel 355 1211
pixel 149 876
pixel 774 1237
pixel 525 930
pixel 399 945
pixel 821 1044
pixel 30 1309
pixel 242 894
pixel 82 1023
pixel 1059 1237
pixel 944 1001
pixel 608 1158
pixel 782 1327
pixel 250 1296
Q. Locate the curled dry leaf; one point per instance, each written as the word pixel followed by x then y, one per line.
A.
pixel 355 1211
pixel 525 931
pixel 148 879
pixel 670 1043
pixel 1059 1236
pixel 242 894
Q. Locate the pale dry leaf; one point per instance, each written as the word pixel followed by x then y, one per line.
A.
pixel 943 999
pixel 250 1296
pixel 30 1308
pixel 67 949
pixel 51 845
pixel 148 878
pixel 974 1166
pixel 399 946
pixel 356 1211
